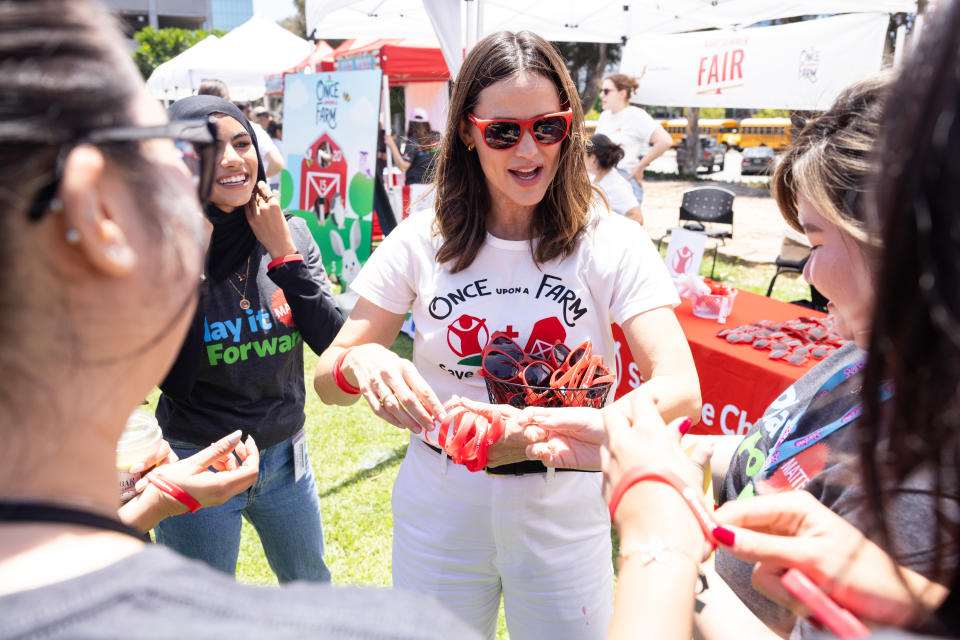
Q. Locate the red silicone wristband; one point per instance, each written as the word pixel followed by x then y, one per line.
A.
pixel 338 376
pixel 638 474
pixel 174 490
pixel 292 257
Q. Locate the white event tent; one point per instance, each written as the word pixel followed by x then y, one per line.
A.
pixel 173 79
pixel 242 58
pixel 457 24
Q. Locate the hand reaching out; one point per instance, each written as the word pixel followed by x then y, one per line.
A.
pixel 794 529
pixel 193 474
pixel 565 437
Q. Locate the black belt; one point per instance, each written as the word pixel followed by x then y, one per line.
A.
pixel 522 468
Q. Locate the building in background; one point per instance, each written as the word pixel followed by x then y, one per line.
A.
pixel 159 14
pixel 228 14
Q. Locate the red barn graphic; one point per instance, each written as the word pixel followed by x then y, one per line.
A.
pixel 318 183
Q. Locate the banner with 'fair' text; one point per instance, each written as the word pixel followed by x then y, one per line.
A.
pixel 803 65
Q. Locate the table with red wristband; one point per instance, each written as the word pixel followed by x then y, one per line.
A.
pixel 737 381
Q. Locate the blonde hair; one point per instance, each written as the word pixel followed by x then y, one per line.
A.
pixel 830 160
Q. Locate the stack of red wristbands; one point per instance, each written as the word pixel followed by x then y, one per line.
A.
pixel 795 341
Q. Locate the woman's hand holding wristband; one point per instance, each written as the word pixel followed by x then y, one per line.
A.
pixel 338 376
pixel 712 531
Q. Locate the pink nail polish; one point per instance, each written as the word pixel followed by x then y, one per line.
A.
pixel 724 536
pixel 685 426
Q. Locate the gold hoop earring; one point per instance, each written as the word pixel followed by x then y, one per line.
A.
pixel 470 147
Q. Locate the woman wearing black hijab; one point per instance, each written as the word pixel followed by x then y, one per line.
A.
pixel 241 366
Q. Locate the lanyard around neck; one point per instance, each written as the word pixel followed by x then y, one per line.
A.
pixel 785 449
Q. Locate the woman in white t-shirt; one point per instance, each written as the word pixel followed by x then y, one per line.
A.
pixel 602 158
pixel 642 138
pixel 515 243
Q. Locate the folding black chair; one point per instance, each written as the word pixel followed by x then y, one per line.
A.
pixel 793 257
pixel 705 206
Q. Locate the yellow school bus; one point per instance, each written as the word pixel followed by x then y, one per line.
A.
pixel 772 132
pixel 723 130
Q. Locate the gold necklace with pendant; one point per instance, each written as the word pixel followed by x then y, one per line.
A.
pixel 244 303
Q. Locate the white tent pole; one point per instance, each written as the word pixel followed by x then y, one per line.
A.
pixel 898 45
pixel 480 7
pixel 626 23
pixel 471 38
pixel 385 115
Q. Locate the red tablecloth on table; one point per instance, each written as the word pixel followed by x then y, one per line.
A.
pixel 737 382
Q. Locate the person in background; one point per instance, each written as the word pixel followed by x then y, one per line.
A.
pixel 261 115
pixel 419 149
pixel 642 138
pixel 105 241
pixel 273 160
pixel 515 224
pixel 241 366
pixel 214 87
pixel 602 158
pixel 275 131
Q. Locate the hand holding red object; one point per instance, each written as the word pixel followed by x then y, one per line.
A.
pixel 471 432
pixel 795 530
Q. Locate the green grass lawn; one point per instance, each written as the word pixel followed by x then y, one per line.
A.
pixel 356 456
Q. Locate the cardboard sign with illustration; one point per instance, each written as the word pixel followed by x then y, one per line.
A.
pixel 330 139
pixel 685 252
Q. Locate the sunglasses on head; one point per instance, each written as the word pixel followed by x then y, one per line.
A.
pixel 196 141
pixel 504 133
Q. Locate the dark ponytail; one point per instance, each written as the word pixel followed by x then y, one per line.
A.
pixel 607 152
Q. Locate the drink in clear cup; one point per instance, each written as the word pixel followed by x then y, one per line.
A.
pixel 138 443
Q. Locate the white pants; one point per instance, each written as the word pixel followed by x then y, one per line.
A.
pixel 543 540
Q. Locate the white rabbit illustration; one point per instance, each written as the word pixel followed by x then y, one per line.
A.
pixel 351 265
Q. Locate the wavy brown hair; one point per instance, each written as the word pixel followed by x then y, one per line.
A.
pixel 463 199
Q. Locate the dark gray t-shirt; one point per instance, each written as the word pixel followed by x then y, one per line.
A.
pixel 828 469
pixel 249 373
pixel 158 594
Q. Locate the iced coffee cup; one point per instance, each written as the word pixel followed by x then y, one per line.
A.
pixel 137 444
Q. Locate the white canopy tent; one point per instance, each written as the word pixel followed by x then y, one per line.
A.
pixel 458 23
pixel 242 58
pixel 173 79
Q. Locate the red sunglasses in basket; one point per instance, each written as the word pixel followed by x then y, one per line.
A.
pixel 504 360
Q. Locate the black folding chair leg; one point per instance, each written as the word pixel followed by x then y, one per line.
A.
pixel 772 281
pixel 714 265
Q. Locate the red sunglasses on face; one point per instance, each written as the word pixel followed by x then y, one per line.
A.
pixel 504 133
